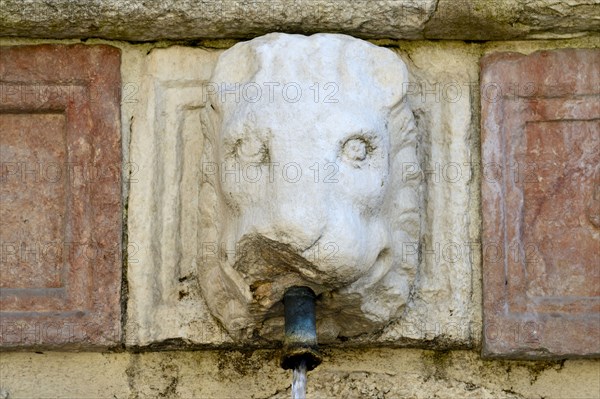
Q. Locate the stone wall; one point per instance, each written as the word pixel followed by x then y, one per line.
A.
pixel 368 373
pixel 454 369
pixel 396 19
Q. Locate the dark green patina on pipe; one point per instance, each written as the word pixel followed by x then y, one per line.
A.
pixel 300 341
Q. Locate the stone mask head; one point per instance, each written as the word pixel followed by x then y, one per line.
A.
pixel 302 183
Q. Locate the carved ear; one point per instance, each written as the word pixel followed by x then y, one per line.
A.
pixel 229 69
pixel 377 73
pixel 390 75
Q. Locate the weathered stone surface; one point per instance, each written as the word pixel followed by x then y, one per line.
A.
pixel 303 184
pixel 397 19
pixel 166 150
pixel 166 208
pixel 444 309
pixel 60 269
pixel 512 19
pixel 171 19
pixel 346 373
pixel 541 230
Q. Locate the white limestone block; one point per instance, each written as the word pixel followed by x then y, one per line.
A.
pixel 296 160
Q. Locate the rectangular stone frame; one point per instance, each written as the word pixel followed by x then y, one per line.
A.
pixel 82 83
pixel 166 146
pixel 518 324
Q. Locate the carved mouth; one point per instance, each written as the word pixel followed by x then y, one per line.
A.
pixel 270 267
pixel 259 257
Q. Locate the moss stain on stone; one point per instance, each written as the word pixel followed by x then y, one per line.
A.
pixel 436 364
pixel 243 362
pixel 537 368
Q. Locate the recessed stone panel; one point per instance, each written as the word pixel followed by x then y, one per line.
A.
pixel 34 197
pixel 541 230
pixel 61 196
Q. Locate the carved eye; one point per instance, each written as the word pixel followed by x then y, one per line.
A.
pixel 356 150
pixel 251 150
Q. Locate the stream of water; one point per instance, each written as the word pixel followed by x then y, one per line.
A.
pixel 299 381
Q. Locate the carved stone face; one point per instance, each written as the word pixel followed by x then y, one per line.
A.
pixel 306 135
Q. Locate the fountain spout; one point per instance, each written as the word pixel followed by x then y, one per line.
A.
pixel 300 341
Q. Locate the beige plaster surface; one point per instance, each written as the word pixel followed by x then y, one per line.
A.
pixel 372 373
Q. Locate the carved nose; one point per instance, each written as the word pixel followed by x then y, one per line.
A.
pixel 298 225
pixel 299 213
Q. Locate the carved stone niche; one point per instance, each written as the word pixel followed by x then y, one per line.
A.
pixel 282 162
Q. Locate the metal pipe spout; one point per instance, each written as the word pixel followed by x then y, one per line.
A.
pixel 300 340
